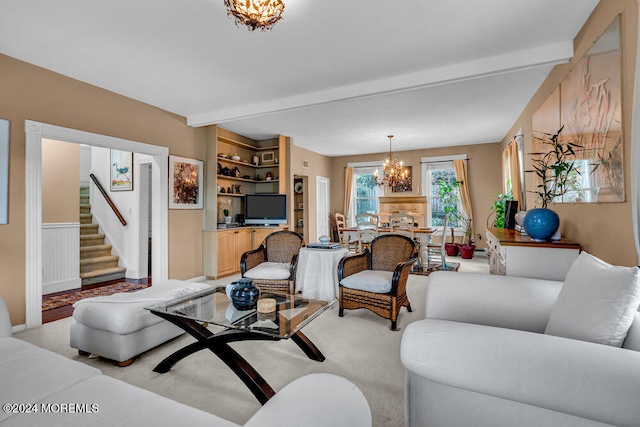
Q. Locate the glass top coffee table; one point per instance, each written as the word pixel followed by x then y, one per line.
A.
pixel 195 311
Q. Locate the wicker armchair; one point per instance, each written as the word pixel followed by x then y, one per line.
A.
pixel 272 266
pixel 376 279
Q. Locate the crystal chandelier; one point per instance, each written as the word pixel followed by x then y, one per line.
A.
pixel 395 176
pixel 255 14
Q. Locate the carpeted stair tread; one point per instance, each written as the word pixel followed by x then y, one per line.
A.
pixel 86 218
pixel 94 251
pixel 88 229
pixel 103 272
pixel 91 239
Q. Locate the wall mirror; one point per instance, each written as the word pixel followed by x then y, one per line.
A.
pixel 588 104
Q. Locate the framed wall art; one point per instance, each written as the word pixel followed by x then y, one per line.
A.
pixel 185 183
pixel 121 170
pixel 268 157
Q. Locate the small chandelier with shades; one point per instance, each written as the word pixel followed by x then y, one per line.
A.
pixel 255 14
pixel 394 174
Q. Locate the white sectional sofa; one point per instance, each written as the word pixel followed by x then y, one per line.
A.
pixel 482 358
pixel 74 394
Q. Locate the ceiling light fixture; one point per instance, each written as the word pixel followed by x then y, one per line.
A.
pixel 255 14
pixel 395 175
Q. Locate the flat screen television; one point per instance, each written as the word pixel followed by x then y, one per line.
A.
pixel 265 209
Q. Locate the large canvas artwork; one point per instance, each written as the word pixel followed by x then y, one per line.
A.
pixel 587 104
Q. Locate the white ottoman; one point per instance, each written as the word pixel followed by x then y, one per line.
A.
pixel 119 328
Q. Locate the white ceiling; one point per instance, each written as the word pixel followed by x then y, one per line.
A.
pixel 338 76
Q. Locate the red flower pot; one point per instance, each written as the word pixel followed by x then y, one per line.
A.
pixel 466 251
pixel 451 249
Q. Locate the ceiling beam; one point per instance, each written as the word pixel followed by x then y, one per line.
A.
pixel 514 61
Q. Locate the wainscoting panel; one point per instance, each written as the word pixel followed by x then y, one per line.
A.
pixel 60 257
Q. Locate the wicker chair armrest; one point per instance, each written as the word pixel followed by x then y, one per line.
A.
pixel 352 264
pixel 401 275
pixel 294 266
pixel 252 258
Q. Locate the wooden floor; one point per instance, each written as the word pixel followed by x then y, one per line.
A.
pixel 67 310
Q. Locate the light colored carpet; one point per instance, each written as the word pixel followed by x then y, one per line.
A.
pixel 360 347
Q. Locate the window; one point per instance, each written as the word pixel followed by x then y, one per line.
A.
pixel 434 170
pixel 365 194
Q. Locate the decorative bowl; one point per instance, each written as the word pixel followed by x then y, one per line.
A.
pixel 236 158
pixel 324 239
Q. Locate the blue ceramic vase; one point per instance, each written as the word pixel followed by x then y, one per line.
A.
pixel 244 295
pixel 541 224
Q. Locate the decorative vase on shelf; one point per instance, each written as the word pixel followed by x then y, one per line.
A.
pixel 244 295
pixel 541 224
pixel 255 160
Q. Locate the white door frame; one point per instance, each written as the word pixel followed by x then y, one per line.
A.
pixel 321 180
pixel 35 132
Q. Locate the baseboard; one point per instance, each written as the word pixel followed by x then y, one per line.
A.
pixel 198 279
pixel 18 328
pixel 63 285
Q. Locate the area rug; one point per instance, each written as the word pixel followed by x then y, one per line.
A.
pixel 450 266
pixel 55 301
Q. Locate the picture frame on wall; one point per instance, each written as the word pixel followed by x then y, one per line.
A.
pixel 268 157
pixel 4 171
pixel 121 170
pixel 185 183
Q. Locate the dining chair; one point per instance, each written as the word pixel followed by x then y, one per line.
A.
pixel 383 219
pixel 367 225
pixel 345 239
pixel 404 224
pixel 436 254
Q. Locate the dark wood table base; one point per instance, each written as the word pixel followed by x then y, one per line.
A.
pixel 218 344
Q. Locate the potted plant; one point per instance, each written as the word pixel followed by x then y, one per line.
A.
pixel 499 207
pixel 448 193
pixel 227 218
pixel 467 248
pixel 555 169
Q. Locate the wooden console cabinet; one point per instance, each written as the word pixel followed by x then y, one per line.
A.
pixel 513 254
pixel 232 243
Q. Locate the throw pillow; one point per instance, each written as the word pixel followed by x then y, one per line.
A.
pixel 597 302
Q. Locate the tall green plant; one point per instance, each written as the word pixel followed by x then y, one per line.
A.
pixel 555 167
pixel 448 193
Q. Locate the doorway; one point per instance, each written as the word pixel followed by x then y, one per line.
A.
pixel 322 206
pixel 35 132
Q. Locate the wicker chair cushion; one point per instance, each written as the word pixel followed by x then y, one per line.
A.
pixel 376 281
pixel 270 271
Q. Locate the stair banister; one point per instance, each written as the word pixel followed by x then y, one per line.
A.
pixel 108 199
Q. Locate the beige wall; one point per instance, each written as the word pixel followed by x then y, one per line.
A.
pixel 319 165
pixel 30 92
pixel 60 182
pixel 483 167
pixel 603 229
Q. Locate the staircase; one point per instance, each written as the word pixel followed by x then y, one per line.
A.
pixel 97 264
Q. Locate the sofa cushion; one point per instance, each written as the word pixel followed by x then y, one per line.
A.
pixel 125 313
pixel 597 302
pixel 105 401
pixel 270 271
pixel 376 281
pixel 29 374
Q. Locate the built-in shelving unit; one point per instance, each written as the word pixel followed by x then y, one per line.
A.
pixel 245 175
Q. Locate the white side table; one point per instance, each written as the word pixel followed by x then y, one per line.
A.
pixel 317 273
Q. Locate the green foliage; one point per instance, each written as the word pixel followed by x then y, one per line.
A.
pixel 226 212
pixel 499 207
pixel 448 193
pixel 555 167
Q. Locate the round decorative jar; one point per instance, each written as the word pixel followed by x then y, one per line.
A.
pixel 541 224
pixel 244 295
